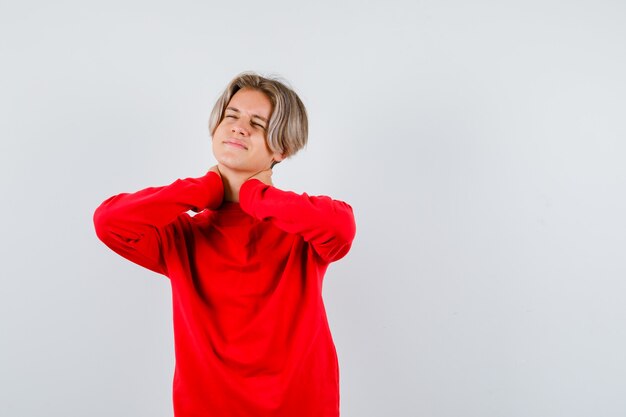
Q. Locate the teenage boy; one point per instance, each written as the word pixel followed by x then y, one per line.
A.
pixel 251 333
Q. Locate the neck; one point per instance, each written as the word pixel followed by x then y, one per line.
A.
pixel 232 180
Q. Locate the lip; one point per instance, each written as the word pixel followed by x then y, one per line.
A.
pixel 235 143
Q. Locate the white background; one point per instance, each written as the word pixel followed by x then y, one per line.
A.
pixel 480 143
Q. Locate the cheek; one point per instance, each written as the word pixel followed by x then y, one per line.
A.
pixel 219 128
pixel 263 148
pixel 214 144
pixel 221 131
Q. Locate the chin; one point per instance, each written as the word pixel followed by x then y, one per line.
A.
pixel 233 165
pixel 236 163
pixel 227 160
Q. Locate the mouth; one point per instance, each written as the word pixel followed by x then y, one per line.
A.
pixel 235 143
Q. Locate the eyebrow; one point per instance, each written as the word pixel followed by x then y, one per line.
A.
pixel 254 115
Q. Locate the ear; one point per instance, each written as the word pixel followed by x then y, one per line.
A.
pixel 277 157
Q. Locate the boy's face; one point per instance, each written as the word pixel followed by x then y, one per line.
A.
pixel 239 141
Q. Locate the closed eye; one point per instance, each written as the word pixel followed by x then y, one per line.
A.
pixel 232 116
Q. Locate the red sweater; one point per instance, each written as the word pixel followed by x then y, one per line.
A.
pixel 250 329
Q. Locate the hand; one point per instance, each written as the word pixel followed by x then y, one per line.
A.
pixel 217 198
pixel 264 176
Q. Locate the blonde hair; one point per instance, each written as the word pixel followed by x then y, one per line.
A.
pixel 288 126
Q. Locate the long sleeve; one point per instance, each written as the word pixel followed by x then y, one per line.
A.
pixel 130 223
pixel 327 224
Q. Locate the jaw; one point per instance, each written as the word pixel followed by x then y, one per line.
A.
pixel 241 160
pixel 238 164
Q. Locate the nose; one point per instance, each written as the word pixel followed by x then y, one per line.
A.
pixel 237 128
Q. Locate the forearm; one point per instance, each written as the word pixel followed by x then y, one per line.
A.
pixel 129 223
pixel 158 206
pixel 326 223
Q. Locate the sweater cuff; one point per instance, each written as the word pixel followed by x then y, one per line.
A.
pixel 214 191
pixel 248 192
